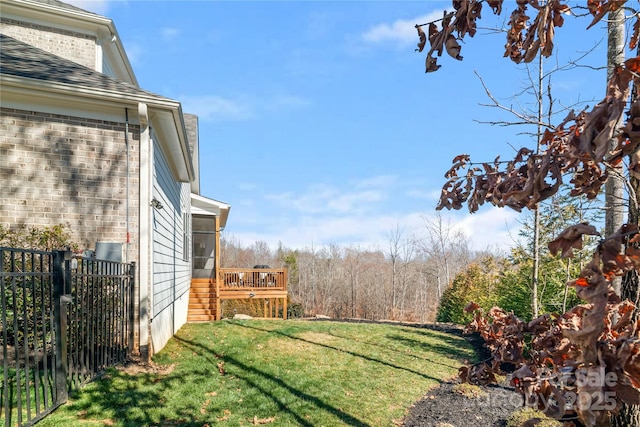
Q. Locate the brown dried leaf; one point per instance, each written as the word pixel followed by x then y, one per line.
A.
pixel 436 39
pixel 571 238
pixel 634 164
pixel 471 307
pixel 423 38
pixel 633 41
pixel 599 9
pixel 431 64
pixel 453 47
pixel 633 64
pixel 496 5
pixel 627 393
pixel 481 374
pixel 517 23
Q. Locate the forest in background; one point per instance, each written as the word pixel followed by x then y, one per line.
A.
pixel 425 275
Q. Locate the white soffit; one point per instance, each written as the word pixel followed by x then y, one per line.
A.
pixel 205 206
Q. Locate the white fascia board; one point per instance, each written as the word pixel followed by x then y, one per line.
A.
pixel 211 206
pixel 61 103
pixel 52 16
pixel 178 116
pixel 205 212
pixel 171 143
pixel 113 50
pixel 101 104
pixel 83 94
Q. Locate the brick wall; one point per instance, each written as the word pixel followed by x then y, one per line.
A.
pixel 79 48
pixel 68 170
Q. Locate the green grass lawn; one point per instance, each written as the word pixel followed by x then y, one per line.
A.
pixel 280 373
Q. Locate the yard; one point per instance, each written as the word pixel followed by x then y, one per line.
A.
pixel 282 373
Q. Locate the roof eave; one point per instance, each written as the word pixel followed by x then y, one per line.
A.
pixel 168 113
pixel 207 206
pixel 101 27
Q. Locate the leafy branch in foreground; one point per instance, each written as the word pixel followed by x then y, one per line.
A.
pixel 578 146
pixel 523 42
pixel 583 363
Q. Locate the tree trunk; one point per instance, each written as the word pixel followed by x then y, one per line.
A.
pixel 629 415
pixel 614 187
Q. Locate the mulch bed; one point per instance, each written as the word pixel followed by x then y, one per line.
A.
pixel 444 407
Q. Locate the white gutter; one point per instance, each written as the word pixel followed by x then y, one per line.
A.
pixel 145 264
pixel 96 98
pixel 94 93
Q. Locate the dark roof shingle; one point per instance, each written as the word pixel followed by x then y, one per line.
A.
pixel 63 5
pixel 23 60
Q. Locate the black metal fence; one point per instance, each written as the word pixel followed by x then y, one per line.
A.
pixel 64 320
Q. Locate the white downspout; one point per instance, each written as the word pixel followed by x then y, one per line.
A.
pixel 146 238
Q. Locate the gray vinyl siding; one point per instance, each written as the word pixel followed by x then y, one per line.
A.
pixel 171 273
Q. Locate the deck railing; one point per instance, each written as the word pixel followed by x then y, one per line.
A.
pixel 266 284
pixel 253 279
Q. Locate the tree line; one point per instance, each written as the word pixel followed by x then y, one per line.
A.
pixel 424 276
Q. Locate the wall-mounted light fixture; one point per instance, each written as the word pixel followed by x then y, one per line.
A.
pixel 156 203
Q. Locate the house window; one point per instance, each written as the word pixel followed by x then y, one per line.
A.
pixel 185 237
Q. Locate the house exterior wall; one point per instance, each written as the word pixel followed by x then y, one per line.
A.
pixel 76 47
pixel 69 170
pixel 171 257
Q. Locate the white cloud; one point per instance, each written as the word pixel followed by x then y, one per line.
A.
pixel 357 197
pixel 400 31
pixel 315 200
pixel 169 33
pixel 381 181
pixel 491 230
pixel 218 108
pixel 210 107
pixel 286 102
pixel 246 186
pixel 360 214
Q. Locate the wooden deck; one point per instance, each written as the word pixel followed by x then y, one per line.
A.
pixel 269 285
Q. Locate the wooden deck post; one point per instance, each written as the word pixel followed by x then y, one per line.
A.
pixel 217 268
pixel 286 288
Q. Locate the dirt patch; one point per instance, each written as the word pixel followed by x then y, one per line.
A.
pixel 135 366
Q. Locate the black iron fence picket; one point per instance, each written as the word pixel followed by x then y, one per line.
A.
pixel 64 320
pixel 98 331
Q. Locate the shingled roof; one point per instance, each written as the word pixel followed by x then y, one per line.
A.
pixel 63 5
pixel 22 60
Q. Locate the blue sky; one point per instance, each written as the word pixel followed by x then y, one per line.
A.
pixel 317 122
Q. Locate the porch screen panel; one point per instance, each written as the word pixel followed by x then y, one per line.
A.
pixel 204 246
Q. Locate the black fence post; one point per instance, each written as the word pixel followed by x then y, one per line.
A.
pixel 60 278
pixel 131 305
